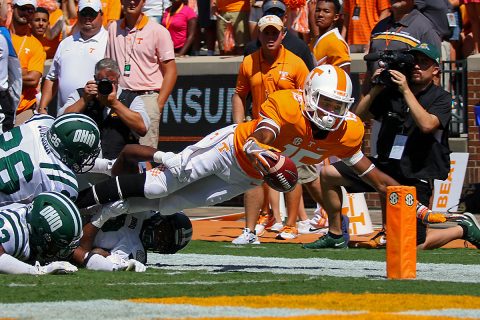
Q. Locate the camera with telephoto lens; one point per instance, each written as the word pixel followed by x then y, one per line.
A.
pixel 401 61
pixel 105 86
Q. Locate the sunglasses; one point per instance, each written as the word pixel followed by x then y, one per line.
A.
pixel 26 8
pixel 88 13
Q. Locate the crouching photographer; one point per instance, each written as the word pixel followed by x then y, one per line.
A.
pixel 415 114
pixel 119 114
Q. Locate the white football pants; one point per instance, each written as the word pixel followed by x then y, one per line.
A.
pixel 210 175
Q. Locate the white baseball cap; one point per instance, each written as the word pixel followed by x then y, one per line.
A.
pixel 270 20
pixel 93 4
pixel 25 2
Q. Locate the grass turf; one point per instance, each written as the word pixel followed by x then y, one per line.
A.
pixel 87 285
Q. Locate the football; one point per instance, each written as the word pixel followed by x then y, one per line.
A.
pixel 283 174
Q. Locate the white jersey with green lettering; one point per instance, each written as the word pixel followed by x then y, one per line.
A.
pixel 27 165
pixel 121 235
pixel 14 231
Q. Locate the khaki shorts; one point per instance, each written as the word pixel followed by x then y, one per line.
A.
pixel 151 106
pixel 241 33
pixel 307 174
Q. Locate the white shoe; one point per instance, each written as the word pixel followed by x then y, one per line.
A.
pixel 287 233
pixel 277 227
pixel 259 230
pixel 306 227
pixel 247 237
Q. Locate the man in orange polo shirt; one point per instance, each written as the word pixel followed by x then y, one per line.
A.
pixel 31 55
pixel 265 71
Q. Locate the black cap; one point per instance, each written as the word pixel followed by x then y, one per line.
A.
pixel 273 4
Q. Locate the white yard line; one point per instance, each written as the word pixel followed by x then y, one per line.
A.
pixel 309 266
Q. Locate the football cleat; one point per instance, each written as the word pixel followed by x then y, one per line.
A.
pixel 326 242
pixel 472 226
pixel 247 237
pixel 379 241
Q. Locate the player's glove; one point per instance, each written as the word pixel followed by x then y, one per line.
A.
pixel 427 216
pixel 108 211
pixel 55 267
pixel 258 153
pixel 173 161
pixel 136 266
pixel 125 265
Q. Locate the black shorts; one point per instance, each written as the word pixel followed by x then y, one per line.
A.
pixel 204 20
pixel 423 188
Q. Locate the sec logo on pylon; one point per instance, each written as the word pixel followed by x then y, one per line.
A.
pixel 409 199
pixel 393 198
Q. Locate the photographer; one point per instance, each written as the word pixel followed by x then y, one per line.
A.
pixel 120 115
pixel 413 139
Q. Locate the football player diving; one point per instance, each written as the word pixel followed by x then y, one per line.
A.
pixel 307 126
pixel 44 153
pixel 48 229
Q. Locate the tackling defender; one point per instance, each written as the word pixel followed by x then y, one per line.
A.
pixel 40 155
pixel 317 124
pixel 47 229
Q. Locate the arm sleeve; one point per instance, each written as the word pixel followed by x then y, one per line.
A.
pixel 11 265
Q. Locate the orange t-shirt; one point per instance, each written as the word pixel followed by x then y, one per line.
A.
pixel 32 58
pixel 233 5
pixel 288 71
pixel 111 11
pixel 331 48
pixel 295 139
pixel 359 30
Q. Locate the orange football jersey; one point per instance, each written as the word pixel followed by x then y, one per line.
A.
pixel 295 139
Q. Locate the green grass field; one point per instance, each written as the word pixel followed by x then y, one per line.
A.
pixel 191 278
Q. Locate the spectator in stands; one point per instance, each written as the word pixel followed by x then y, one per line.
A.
pixel 261 73
pixel 120 115
pixel 40 24
pixel 10 74
pixel 436 11
pixel 256 13
pixel 329 47
pixel 111 10
pixel 154 9
pixel 413 141
pixel 145 54
pixel 206 28
pixel 236 12
pixel 473 11
pixel 290 41
pixel 56 30
pixel 181 21
pixel 30 54
pixel 87 45
pixel 405 28
pixel 359 18
pixel 70 10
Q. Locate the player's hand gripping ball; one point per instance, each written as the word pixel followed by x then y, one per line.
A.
pixel 282 175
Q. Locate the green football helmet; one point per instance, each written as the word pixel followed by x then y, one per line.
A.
pixel 166 234
pixel 75 139
pixel 55 226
